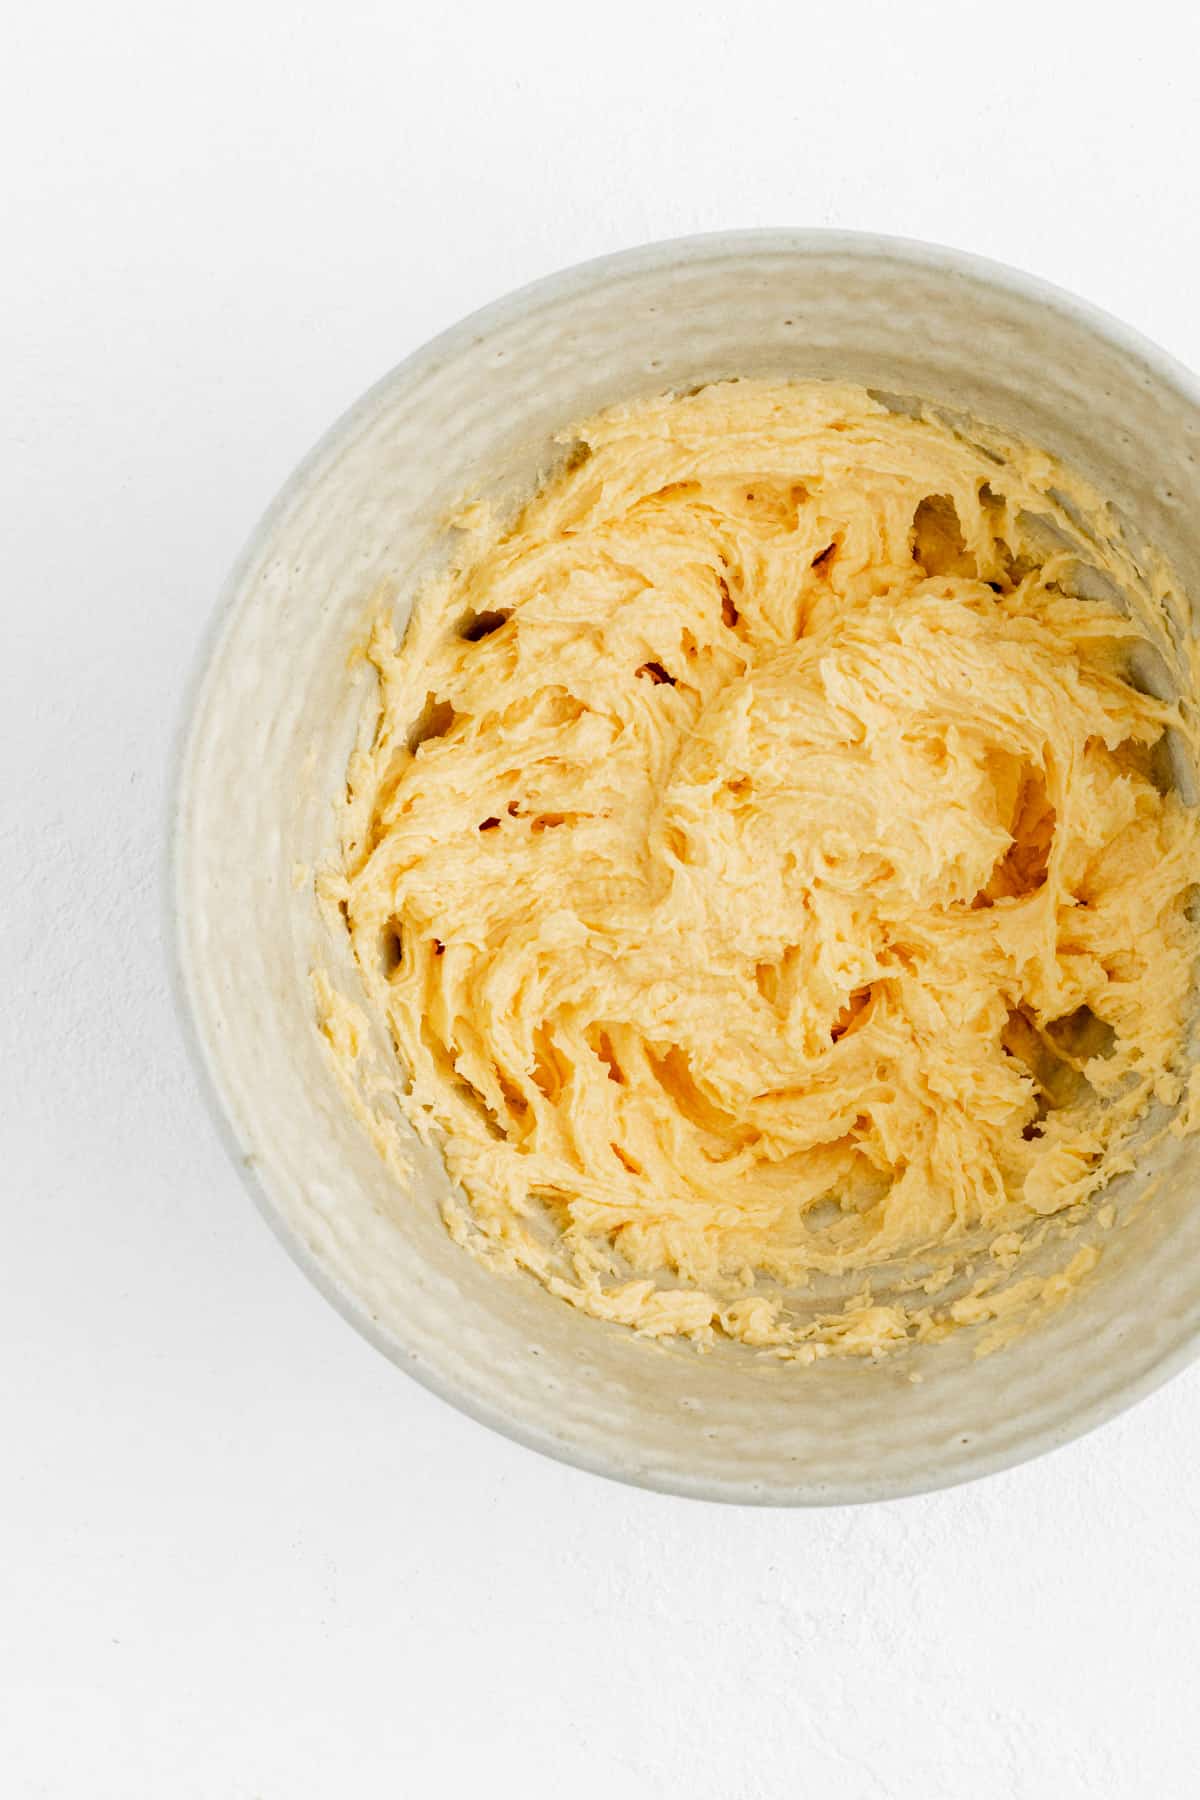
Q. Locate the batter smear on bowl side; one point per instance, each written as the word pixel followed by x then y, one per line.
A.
pixel 765 857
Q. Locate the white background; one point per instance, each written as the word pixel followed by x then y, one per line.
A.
pixel 240 1555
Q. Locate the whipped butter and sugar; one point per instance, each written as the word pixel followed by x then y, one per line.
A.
pixel 764 862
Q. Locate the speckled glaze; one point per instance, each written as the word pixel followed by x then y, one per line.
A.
pixel 475 412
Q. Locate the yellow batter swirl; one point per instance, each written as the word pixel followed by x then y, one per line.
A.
pixel 766 863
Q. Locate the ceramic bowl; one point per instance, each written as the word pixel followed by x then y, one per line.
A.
pixel 264 754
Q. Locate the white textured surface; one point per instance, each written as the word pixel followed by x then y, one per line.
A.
pixel 243 1556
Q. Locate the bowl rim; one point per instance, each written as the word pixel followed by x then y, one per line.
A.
pixel 967 1463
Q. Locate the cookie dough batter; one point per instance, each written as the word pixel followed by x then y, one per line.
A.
pixel 763 853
